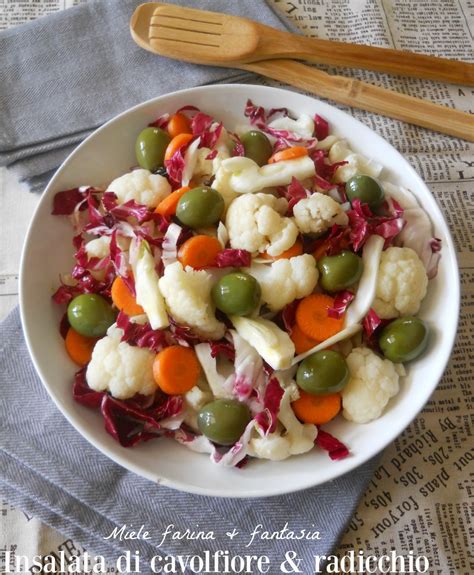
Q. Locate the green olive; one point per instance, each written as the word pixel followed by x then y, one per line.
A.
pixel 236 293
pixel 150 148
pixel 223 421
pixel 366 189
pixel 200 207
pixel 257 146
pixel 90 315
pixel 404 339
pixel 340 271
pixel 323 372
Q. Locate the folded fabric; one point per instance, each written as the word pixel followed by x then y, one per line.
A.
pixel 64 75
pixel 51 472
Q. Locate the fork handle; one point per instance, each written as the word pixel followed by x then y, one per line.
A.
pixel 278 44
pixel 368 97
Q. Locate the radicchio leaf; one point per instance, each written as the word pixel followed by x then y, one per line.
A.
pixel 211 155
pixel 141 335
pixel 131 209
pixel 64 326
pixel 337 241
pixel 223 347
pixel 285 136
pixel 175 165
pixel 65 293
pixel 119 261
pixel 335 448
pixel 435 245
pixel 364 223
pixel 322 183
pixel 170 244
pixel 201 126
pixel 267 419
pixel 324 169
pixel 237 454
pixel 339 306
pixel 95 217
pixel 201 123
pixel 238 148
pixel 321 127
pixel 129 424
pixel 371 322
pixel 187 108
pixel 184 335
pixel 282 111
pixel 160 122
pixel 65 202
pixel 294 193
pixel 254 113
pixel 83 394
pixel 233 258
pixel 288 315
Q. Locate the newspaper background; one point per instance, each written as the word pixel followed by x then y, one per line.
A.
pixel 421 496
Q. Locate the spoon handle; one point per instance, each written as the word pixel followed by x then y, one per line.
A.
pixel 368 97
pixel 275 43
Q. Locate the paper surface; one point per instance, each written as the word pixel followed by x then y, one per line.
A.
pixel 420 498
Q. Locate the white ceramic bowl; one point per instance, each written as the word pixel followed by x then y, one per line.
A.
pixel 108 153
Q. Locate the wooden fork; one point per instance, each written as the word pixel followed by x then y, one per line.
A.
pixel 213 38
pixel 221 39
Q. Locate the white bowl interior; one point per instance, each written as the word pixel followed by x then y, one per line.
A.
pixel 108 153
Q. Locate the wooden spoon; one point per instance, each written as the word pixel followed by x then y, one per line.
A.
pixel 220 39
pixel 179 39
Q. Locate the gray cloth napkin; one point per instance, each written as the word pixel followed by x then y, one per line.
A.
pixel 60 77
pixel 63 76
pixel 51 472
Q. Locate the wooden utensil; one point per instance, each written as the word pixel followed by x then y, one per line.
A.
pixel 187 44
pixel 221 39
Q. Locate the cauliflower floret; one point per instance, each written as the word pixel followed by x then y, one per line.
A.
pixel 188 297
pixel 255 223
pixel 373 381
pixel 221 183
pixel 285 280
pixel 356 163
pixel 98 248
pixel 318 213
pixel 142 186
pixel 196 398
pixel 292 437
pixel 401 283
pixel 303 126
pixel 120 368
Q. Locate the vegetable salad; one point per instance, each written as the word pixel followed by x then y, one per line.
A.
pixel 243 286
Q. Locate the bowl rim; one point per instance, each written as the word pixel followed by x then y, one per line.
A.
pixel 123 460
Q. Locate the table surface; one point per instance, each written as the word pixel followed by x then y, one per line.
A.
pixel 420 497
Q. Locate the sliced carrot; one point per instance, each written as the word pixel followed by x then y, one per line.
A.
pixel 317 409
pixel 179 124
pixel 288 154
pixel 312 317
pixel 176 369
pixel 295 250
pixel 167 207
pixel 177 142
pixel 302 342
pixel 123 298
pixel 199 251
pixel 79 347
